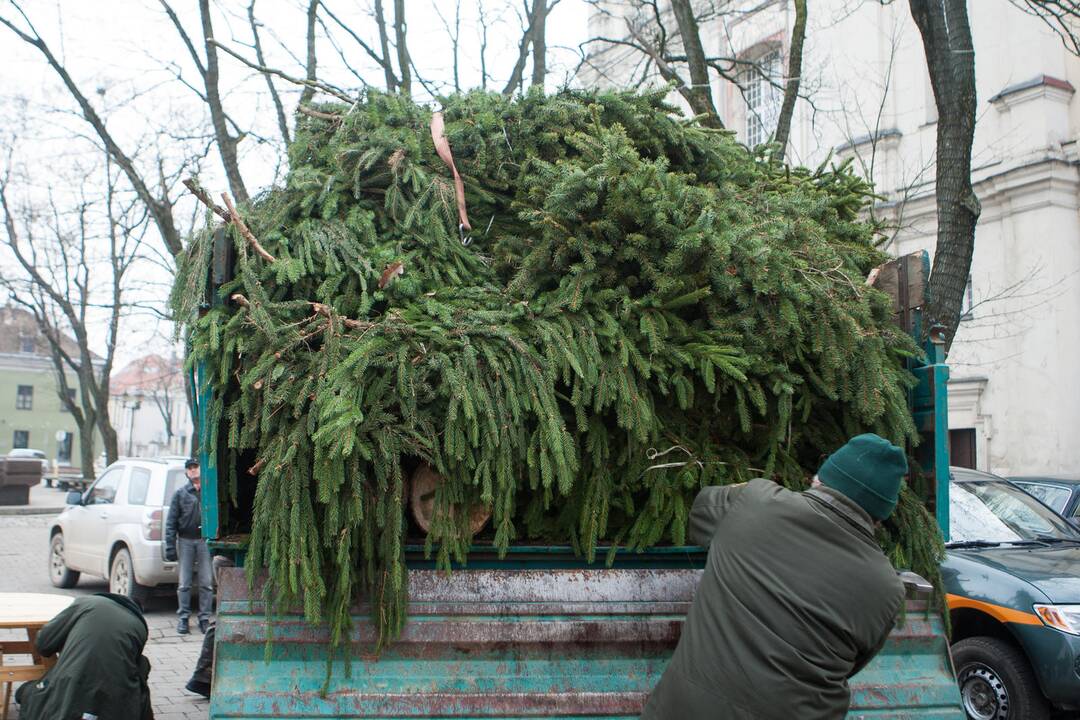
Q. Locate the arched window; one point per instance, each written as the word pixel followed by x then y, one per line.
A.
pixel 761 87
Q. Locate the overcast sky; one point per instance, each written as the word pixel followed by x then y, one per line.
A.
pixel 126 56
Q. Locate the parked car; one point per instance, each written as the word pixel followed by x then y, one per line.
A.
pixel 31 453
pixel 1012 578
pixel 1061 493
pixel 115 529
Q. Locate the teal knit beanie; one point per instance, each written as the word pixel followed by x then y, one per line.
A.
pixel 868 469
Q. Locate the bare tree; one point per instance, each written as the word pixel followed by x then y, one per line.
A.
pixel 157 200
pixel 58 278
pixel 534 24
pixel 454 34
pixel 950 58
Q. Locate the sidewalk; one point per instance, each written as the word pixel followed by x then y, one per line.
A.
pixel 43 501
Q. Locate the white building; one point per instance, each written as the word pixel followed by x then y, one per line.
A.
pixel 149 408
pixel 1015 387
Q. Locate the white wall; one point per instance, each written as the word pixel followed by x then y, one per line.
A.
pixel 141 432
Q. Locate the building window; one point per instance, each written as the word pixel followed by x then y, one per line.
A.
pixel 26 344
pixel 24 398
pixel 71 396
pixel 760 85
pixel 969 302
pixel 21 439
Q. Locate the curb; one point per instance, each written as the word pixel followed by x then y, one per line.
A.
pixel 25 510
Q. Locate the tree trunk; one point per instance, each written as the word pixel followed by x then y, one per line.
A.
pixel 384 46
pixel 225 141
pixel 699 94
pixel 86 448
pixel 312 17
pixel 404 71
pixel 539 43
pixel 950 58
pixel 794 77
pixel 108 437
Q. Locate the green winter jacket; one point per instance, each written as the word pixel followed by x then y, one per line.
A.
pixel 101 670
pixel 796 597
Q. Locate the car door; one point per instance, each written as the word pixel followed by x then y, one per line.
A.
pixel 78 525
pixel 99 503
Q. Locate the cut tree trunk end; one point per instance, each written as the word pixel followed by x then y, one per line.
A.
pixel 422 485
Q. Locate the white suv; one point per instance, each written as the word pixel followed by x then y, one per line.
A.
pixel 115 529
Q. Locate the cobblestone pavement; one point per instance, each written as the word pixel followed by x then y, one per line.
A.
pixel 24 542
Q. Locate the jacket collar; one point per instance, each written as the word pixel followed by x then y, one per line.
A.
pixel 848 510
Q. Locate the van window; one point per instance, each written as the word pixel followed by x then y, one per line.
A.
pixel 138 486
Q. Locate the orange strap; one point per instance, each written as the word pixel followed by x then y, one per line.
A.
pixel 442 146
pixel 1002 614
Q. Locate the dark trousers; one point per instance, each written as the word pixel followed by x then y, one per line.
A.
pixel 204 668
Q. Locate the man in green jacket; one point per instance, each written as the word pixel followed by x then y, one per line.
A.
pixel 101 672
pixel 796 596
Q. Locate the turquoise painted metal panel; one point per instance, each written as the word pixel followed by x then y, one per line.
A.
pixel 208 468
pixel 930 409
pixel 502 643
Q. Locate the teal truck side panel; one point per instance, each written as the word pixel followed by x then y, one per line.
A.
pixel 516 643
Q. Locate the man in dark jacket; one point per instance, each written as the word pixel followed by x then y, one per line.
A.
pixel 101 671
pixel 183 540
pixel 796 596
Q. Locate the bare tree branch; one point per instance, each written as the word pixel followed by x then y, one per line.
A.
pixel 279 108
pixel 244 231
pixel 318 85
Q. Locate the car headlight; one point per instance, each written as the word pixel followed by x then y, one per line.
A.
pixel 1065 618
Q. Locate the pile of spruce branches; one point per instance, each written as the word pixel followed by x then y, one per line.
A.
pixel 641 308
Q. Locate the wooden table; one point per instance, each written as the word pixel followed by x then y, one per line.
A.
pixel 29 612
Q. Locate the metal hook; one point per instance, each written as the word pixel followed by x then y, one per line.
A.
pixel 465 239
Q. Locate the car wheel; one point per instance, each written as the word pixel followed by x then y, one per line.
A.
pixel 996 681
pixel 59 573
pixel 122 577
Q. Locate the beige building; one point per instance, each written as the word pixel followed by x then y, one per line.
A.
pixel 1015 387
pixel 31 412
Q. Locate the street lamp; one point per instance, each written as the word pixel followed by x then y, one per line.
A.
pixel 134 404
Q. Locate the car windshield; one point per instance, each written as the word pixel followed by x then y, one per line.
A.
pixel 992 511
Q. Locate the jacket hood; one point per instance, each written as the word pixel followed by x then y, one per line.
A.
pixel 127 603
pixel 1054 570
